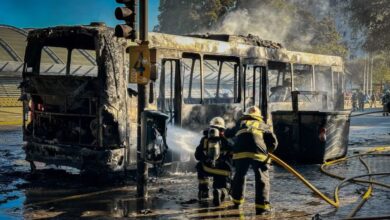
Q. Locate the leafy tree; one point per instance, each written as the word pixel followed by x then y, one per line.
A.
pixel 181 16
pixel 381 68
pixel 327 39
pixel 373 17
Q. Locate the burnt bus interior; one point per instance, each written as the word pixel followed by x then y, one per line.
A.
pixel 193 87
pixel 63 98
pixel 197 87
pixel 69 118
pixel 301 91
pixel 321 87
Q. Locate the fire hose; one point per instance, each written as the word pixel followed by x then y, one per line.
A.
pixel 336 202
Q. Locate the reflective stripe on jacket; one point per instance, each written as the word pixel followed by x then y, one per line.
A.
pixel 215 171
pixel 256 156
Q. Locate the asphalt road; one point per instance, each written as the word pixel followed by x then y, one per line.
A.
pixel 175 196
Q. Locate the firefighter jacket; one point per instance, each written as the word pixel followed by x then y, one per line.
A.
pixel 202 148
pixel 253 139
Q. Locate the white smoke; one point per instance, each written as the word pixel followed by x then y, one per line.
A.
pixel 278 24
pixel 270 25
pixel 183 142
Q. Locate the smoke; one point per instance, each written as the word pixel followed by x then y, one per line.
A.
pixel 286 24
pixel 267 24
pixel 183 142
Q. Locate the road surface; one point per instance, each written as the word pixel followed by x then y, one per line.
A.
pixel 52 193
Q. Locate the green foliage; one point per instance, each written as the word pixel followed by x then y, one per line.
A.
pixel 327 39
pixel 181 16
pixel 373 17
pixel 381 70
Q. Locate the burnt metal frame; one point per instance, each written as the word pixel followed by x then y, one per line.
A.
pixel 312 81
pixel 175 90
pixel 262 71
pixel 67 68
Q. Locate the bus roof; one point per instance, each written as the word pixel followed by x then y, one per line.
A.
pixel 175 45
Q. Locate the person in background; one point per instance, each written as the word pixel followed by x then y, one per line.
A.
pixel 214 156
pixel 386 103
pixel 373 100
pixel 253 140
pixel 354 102
pixel 362 100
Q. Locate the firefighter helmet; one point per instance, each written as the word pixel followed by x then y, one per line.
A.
pixel 217 122
pixel 253 111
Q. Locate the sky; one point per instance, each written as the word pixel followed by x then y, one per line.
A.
pixel 45 13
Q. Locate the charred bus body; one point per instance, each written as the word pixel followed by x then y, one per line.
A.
pixel 86 117
pixel 83 116
pixel 203 76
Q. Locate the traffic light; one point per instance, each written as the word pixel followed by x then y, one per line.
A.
pixel 128 14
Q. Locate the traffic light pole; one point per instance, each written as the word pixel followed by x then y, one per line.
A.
pixel 142 167
pixel 143 21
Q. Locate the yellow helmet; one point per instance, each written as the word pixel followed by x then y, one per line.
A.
pixel 217 122
pixel 253 111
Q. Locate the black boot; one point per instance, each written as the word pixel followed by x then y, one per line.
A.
pixel 263 211
pixel 203 195
pixel 217 197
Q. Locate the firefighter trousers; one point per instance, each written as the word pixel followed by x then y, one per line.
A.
pixel 261 178
pixel 221 175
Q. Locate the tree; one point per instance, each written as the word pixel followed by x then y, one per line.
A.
pixel 327 40
pixel 373 17
pixel 182 17
pixel 381 68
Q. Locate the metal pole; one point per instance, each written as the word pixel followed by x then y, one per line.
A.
pixel 313 79
pixel 372 70
pixel 142 167
pixel 332 83
pixel 143 22
pixel 201 79
pixel 292 77
pixel 364 76
pixel 368 75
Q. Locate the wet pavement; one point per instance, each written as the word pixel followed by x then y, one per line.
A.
pixel 66 195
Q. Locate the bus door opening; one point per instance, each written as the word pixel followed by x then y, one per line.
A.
pixel 169 100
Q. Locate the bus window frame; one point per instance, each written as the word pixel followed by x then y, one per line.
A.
pixel 194 57
pixel 237 76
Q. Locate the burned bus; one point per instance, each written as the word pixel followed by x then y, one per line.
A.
pixel 84 116
pixel 301 94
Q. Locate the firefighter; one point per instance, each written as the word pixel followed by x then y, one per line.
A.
pixel 354 102
pixel 214 156
pixel 253 140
